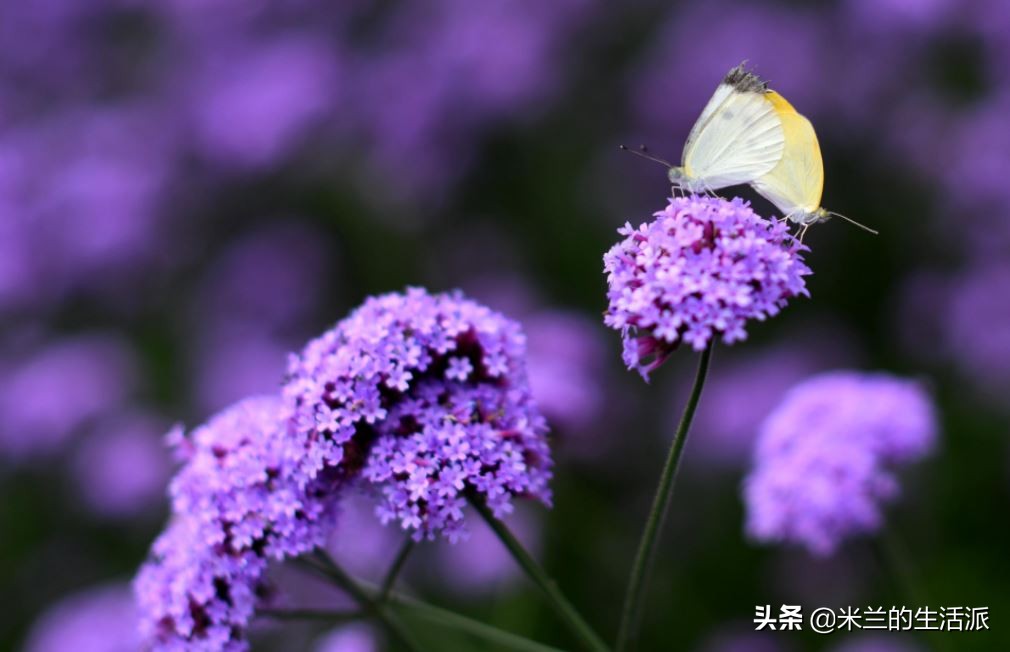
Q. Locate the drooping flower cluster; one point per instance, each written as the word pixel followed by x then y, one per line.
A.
pixel 428 395
pixel 700 270
pixel 421 397
pixel 825 457
pixel 237 503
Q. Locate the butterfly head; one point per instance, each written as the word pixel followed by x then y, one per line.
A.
pixel 681 180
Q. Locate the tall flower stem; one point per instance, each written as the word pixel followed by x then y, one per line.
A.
pixel 394 570
pixel 578 626
pixel 897 559
pixel 389 620
pixel 637 581
pixel 501 639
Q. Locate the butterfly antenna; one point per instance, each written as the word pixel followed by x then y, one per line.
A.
pixel 852 221
pixel 643 151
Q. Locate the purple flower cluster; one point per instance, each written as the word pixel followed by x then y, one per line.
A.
pixel 825 457
pixel 421 398
pixel 53 393
pixel 428 395
pixel 238 502
pixel 97 619
pixel 700 270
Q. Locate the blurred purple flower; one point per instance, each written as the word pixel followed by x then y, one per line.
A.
pixel 700 270
pixel 232 363
pixel 252 104
pixel 360 543
pixel 825 457
pixel 454 67
pixel 51 393
pixel 901 15
pixel 270 275
pixel 252 310
pixel 99 619
pixel 80 196
pixel 122 466
pixel 754 382
pixel 481 565
pixel 976 323
pixel 700 42
pixel 350 638
pixel 566 352
pixel 375 391
pixel 240 500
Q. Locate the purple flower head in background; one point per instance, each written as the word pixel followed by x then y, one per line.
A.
pixel 360 543
pixel 481 565
pixel 976 326
pixel 252 309
pixel 121 466
pixel 825 457
pixel 99 619
pixel 46 397
pixel 753 381
pixel 251 106
pixel 79 200
pixel 238 502
pixel 350 638
pixel 428 395
pixel 700 270
pixel 566 353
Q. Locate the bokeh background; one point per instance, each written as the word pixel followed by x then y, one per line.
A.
pixel 190 190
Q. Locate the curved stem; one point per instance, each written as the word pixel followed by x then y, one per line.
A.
pixel 635 596
pixel 421 609
pixel 346 582
pixel 501 639
pixel 590 640
pixel 394 570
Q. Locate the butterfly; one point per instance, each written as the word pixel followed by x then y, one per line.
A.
pixel 737 138
pixel 796 183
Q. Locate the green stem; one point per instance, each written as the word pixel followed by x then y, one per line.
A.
pixel 423 610
pixel 381 613
pixel 575 622
pixel 394 570
pixel 898 560
pixel 635 596
pixel 453 620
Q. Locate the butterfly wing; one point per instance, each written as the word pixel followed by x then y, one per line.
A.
pixel 738 141
pixel 796 183
pixel 722 93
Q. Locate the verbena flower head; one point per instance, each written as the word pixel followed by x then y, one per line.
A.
pixel 825 457
pixel 237 502
pixel 428 395
pixel 700 270
pixel 97 619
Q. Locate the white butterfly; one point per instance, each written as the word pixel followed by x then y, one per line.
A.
pixel 737 138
